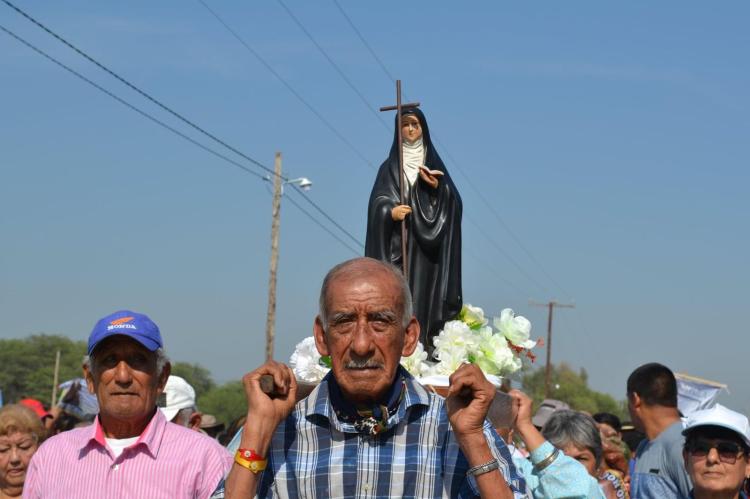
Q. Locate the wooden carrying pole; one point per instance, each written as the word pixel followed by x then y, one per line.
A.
pixel 275 216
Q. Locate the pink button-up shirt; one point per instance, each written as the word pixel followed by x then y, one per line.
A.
pixel 167 461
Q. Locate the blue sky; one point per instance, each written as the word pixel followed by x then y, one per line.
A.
pixel 610 140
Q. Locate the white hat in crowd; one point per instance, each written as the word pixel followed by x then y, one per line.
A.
pixel 180 395
pixel 720 416
pixel 545 411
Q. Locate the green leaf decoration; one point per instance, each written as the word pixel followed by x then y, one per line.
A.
pixel 325 361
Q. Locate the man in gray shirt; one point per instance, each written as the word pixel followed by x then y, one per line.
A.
pixel 652 403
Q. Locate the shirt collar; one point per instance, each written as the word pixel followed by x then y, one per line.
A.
pixel 317 405
pixel 150 439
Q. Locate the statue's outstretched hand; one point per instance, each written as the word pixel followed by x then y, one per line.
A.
pixel 430 176
pixel 399 212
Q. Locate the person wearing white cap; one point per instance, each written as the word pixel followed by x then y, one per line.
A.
pixel 180 407
pixel 717 453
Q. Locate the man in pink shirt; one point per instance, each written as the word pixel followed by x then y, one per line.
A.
pixel 131 450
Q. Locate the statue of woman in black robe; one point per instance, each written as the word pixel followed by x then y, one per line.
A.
pixel 432 213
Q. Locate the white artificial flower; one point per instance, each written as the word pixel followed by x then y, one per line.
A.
pixel 516 328
pixel 473 316
pixel 416 362
pixel 455 335
pixel 305 362
pixel 493 355
pixel 453 346
pixel 447 363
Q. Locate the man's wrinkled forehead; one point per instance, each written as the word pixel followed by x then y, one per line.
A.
pixel 373 275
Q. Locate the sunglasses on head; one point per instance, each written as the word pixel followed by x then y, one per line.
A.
pixel 728 451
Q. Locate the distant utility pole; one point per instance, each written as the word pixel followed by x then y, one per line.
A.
pixel 275 212
pixel 55 379
pixel 548 367
pixel 303 183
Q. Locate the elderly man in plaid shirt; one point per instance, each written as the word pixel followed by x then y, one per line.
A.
pixel 369 429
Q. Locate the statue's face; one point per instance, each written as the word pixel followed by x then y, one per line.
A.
pixel 411 130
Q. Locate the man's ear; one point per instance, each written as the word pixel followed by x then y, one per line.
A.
pixel 88 375
pixel 411 337
pixel 194 423
pixel 320 337
pixel 636 400
pixel 163 377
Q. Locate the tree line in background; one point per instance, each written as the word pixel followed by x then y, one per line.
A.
pixel 27 370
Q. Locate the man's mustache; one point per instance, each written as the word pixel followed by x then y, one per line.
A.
pixel 364 364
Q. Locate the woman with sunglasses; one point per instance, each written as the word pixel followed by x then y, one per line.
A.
pixel 717 453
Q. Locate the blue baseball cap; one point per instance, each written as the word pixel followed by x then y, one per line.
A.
pixel 127 323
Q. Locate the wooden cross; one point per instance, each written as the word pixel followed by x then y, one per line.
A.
pixel 398 108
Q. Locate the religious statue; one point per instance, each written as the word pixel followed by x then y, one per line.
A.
pixel 422 203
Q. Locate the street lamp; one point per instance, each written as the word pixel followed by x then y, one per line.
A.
pixel 278 189
pixel 304 183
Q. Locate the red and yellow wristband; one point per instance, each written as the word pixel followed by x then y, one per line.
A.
pixel 251 460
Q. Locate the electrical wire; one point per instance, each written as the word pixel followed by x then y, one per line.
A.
pixel 136 89
pixel 174 113
pixel 375 113
pixel 364 42
pixel 328 217
pixel 335 66
pixel 173 130
pixel 470 250
pixel 471 184
pixel 330 232
pixel 506 255
pixel 288 86
pixel 502 222
pixel 131 106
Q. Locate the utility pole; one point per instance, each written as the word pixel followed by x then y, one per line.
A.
pixel 55 379
pixel 275 216
pixel 548 367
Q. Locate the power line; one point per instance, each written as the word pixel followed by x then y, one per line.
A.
pixel 500 219
pixel 470 250
pixel 328 217
pixel 506 255
pixel 288 86
pixel 492 209
pixel 330 232
pixel 364 42
pixel 152 99
pixel 334 65
pixel 361 96
pixel 138 90
pixel 131 106
pixel 172 129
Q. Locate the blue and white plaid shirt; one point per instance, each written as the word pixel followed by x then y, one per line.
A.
pixel 313 454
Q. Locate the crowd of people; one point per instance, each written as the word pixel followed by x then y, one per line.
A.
pixel 131 429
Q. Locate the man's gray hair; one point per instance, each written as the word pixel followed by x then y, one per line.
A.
pixel 572 427
pixel 182 417
pixel 354 267
pixel 161 360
